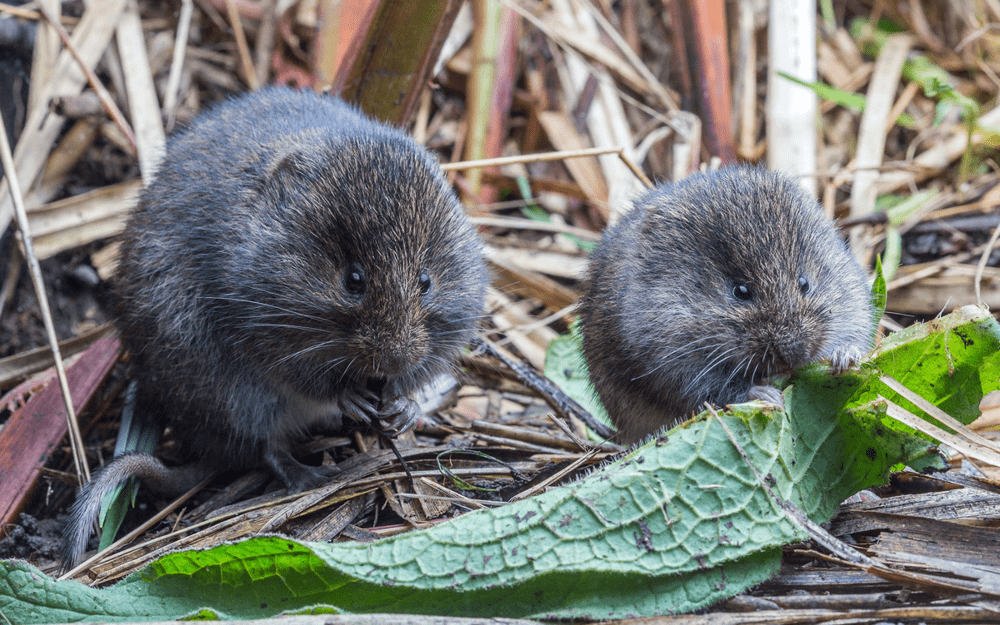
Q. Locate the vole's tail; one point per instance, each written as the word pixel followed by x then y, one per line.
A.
pixel 146 467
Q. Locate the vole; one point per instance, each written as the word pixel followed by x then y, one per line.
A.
pixel 709 286
pixel 292 263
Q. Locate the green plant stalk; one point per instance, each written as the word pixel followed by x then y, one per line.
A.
pixel 853 101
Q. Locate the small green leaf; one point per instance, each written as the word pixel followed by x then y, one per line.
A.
pixel 898 209
pixel 908 206
pixel 138 432
pixel 567 368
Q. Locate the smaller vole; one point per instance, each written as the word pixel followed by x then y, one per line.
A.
pixel 709 286
pixel 293 263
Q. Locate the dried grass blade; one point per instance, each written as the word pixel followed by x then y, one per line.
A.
pixel 34 269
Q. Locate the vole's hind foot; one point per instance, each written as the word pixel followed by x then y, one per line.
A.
pixel 298 477
pixel 398 415
pixel 768 394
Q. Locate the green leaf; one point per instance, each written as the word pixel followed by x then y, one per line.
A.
pixel 951 362
pixel 567 368
pixel 674 525
pixel 907 207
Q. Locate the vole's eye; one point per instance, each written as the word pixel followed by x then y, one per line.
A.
pixel 354 280
pixel 742 291
pixel 804 286
pixel 425 283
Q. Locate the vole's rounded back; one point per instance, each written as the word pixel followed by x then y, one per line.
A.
pixel 291 246
pixel 293 262
pixel 709 286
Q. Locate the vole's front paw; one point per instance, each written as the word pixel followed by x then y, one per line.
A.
pixel 398 415
pixel 359 404
pixel 767 393
pixel 844 359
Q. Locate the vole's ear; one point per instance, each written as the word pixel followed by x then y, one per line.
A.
pixel 294 154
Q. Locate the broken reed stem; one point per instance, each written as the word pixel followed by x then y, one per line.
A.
pixel 92 79
pixel 249 71
pixel 177 62
pixel 548 156
pixel 75 438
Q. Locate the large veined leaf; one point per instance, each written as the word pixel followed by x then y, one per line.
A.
pixel 676 524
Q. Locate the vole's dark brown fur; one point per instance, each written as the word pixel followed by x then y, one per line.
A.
pixel 293 262
pixel 709 286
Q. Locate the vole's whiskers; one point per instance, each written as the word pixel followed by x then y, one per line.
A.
pixel 708 368
pixel 329 365
pixel 744 363
pixel 682 353
pixel 307 350
pixel 289 311
pixel 286 326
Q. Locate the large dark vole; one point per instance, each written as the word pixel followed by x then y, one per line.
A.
pixel 711 285
pixel 293 262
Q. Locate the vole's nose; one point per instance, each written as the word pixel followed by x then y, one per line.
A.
pixel 789 352
pixel 394 360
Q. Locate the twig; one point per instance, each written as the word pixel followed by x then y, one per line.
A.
pixel 542 157
pixel 10 280
pixel 265 40
pixel 943 417
pixel 388 442
pixel 28 14
pixel 552 394
pixel 76 439
pixel 556 477
pixel 521 223
pixel 635 169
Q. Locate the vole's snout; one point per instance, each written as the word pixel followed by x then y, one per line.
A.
pixel 783 352
pixel 395 359
pixel 390 352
